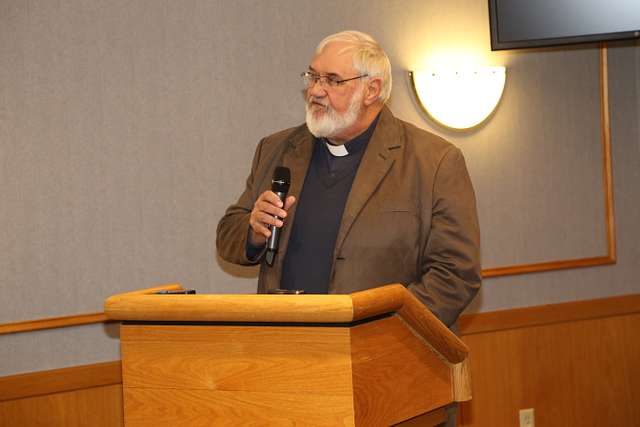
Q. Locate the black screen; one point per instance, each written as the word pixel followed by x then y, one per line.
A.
pixel 534 23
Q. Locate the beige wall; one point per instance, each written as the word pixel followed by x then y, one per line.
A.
pixel 126 128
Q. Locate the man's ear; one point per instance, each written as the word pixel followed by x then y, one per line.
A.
pixel 374 87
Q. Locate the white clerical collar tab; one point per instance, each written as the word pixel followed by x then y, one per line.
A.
pixel 337 150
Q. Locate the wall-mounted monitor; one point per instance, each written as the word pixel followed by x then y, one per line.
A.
pixel 536 23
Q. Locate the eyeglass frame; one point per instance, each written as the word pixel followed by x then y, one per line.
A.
pixel 325 80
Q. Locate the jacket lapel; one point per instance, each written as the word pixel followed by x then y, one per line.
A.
pixel 375 165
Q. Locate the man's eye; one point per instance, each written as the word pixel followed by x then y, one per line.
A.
pixel 333 81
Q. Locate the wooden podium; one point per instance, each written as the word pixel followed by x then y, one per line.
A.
pixel 372 358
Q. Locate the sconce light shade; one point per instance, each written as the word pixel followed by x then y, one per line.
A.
pixel 459 99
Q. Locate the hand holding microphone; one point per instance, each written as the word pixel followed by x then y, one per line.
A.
pixel 269 211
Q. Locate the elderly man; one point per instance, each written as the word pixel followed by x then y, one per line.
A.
pixel 373 200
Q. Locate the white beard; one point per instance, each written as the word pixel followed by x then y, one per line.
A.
pixel 331 123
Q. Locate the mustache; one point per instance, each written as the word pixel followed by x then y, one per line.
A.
pixel 312 100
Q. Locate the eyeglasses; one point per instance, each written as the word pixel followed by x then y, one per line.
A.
pixel 309 79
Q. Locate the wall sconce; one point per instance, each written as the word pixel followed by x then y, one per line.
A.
pixel 459 99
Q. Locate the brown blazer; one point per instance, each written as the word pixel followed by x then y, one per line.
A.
pixel 410 216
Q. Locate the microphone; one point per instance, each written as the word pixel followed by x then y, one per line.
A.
pixel 280 185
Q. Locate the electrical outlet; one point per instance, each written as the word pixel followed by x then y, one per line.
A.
pixel 527 418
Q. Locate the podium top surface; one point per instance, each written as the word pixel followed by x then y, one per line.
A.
pixel 146 305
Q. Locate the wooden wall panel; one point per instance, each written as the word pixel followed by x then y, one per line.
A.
pixel 582 373
pixel 91 407
pixel 60 380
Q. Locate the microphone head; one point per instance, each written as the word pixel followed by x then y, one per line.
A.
pixel 281 180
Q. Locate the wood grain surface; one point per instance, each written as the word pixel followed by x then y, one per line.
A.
pixel 52 323
pixel 194 408
pixel 94 407
pixel 579 373
pixel 377 301
pixel 548 314
pixel 231 308
pixel 427 325
pixel 230 374
pixel 59 380
pixel 396 376
pixel 315 360
pixel 461 381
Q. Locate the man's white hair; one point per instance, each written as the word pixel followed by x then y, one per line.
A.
pixel 368 57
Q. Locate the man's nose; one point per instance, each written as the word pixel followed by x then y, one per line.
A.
pixel 317 89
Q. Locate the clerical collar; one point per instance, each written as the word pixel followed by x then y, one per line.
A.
pixel 354 145
pixel 336 150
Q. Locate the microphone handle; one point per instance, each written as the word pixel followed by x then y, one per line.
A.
pixel 272 243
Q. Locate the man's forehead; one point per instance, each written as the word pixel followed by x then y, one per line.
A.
pixel 335 57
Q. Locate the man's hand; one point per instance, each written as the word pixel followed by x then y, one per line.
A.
pixel 262 217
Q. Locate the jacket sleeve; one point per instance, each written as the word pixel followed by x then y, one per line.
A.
pixel 233 228
pixel 450 263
